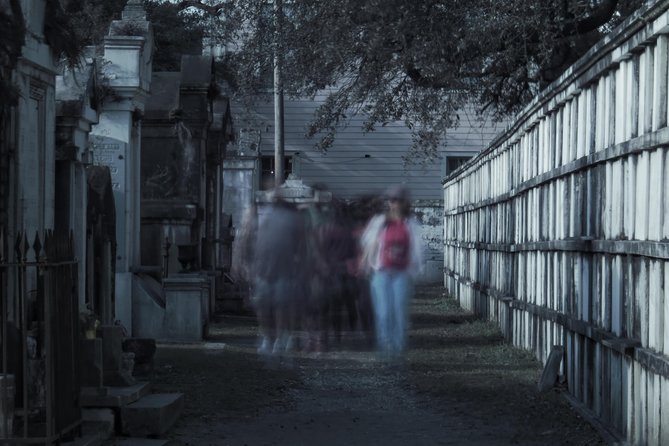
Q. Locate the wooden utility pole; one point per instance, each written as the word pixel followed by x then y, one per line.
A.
pixel 278 95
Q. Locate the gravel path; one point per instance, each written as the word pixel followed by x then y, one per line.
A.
pixel 459 385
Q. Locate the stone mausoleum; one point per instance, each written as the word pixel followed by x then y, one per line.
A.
pixel 185 235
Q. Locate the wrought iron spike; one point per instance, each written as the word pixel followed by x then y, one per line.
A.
pixel 37 246
pixel 18 246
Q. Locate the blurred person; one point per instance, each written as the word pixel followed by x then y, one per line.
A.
pixel 392 255
pixel 333 244
pixel 324 271
pixel 278 279
pixel 315 268
pixel 359 213
pixel 339 244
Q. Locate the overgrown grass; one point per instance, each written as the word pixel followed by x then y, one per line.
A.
pixel 465 363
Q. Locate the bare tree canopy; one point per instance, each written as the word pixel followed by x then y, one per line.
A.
pixel 418 62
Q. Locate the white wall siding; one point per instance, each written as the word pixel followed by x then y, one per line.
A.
pixel 346 170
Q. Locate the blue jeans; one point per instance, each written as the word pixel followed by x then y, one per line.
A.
pixel 391 291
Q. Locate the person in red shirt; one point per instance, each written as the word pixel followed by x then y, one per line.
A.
pixel 392 256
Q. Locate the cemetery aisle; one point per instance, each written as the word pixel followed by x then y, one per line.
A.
pixel 460 384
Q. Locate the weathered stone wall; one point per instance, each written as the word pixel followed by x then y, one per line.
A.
pixel 33 162
pixel 559 230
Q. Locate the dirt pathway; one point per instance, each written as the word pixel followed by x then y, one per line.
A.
pixel 459 385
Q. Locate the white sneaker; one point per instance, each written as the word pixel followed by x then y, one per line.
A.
pixel 264 347
pixel 291 343
pixel 278 346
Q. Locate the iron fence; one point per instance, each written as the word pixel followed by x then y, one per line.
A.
pixel 39 324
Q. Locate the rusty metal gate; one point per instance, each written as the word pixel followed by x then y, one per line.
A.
pixel 39 329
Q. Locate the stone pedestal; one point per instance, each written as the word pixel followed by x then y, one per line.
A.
pixel 112 357
pixel 186 306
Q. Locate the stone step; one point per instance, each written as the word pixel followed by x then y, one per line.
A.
pixel 114 396
pixel 152 415
pixel 85 440
pixel 98 421
pixel 90 439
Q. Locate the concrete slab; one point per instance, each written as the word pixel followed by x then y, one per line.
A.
pixel 151 415
pixel 551 369
pixel 116 396
pixel 186 296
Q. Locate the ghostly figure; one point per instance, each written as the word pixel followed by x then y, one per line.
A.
pixel 278 283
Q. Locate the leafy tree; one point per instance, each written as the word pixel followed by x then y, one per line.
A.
pixel 90 19
pixel 175 32
pixel 415 61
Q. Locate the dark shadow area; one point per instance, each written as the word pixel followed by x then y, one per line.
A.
pixel 426 342
pixel 426 320
pixel 232 338
pixel 475 367
pixel 227 384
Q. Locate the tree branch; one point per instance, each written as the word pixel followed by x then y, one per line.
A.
pixel 416 76
pixel 598 17
pixel 209 9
